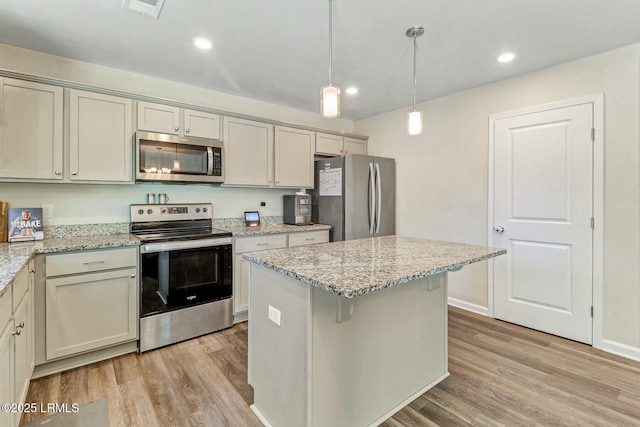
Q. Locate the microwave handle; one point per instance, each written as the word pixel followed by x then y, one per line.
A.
pixel 209 161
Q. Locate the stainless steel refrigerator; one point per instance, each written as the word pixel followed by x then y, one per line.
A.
pixel 356 194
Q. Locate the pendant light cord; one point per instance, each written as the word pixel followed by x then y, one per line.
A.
pixel 414 70
pixel 330 37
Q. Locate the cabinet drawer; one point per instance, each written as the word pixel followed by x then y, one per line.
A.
pixel 84 262
pixel 308 238
pixel 250 244
pixel 5 308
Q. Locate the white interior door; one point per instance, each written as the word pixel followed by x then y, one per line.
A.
pixel 543 209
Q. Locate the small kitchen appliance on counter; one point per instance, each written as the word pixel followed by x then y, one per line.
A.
pixel 296 209
pixel 186 273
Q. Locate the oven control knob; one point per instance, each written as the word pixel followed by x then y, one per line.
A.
pixel 140 211
pixel 197 210
pixel 204 209
pixel 149 211
pixel 163 210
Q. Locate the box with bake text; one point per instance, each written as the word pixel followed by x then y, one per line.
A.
pixel 25 224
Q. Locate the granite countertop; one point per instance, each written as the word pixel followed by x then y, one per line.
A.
pixel 357 267
pixel 13 256
pixel 240 231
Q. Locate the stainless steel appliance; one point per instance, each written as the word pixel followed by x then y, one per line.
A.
pixel 356 195
pixel 171 158
pixel 296 209
pixel 186 274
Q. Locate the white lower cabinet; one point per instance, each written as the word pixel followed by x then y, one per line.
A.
pixel 92 306
pixel 16 343
pixel 244 245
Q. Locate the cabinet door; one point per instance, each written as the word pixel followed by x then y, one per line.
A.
pixel 201 124
pixel 248 155
pixel 328 144
pixel 293 159
pixel 31 130
pixel 100 136
pixel 22 348
pixel 89 311
pixel 158 118
pixel 7 382
pixel 241 285
pixel 355 146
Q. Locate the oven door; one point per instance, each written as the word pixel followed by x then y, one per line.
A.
pixel 179 274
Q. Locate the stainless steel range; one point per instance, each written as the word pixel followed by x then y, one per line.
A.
pixel 186 276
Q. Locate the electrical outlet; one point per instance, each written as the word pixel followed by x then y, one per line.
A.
pixel 274 315
pixel 47 211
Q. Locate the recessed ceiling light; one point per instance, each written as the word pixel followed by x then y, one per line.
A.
pixel 202 43
pixel 506 57
pixel 351 90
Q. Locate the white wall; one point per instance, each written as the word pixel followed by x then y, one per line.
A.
pixel 443 173
pixel 77 203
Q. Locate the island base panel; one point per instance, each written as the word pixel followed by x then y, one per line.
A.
pixel 315 371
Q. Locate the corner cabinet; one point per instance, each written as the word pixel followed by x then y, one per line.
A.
pixel 243 245
pixel 91 301
pixel 177 121
pixel 31 130
pixel 100 137
pixel 293 157
pixel 248 155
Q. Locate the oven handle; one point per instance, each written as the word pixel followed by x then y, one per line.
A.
pixel 188 244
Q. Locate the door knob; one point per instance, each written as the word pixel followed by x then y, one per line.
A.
pixel 499 229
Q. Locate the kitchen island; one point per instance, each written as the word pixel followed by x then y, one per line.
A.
pixel 348 333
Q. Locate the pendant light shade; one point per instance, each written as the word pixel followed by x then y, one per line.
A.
pixel 330 94
pixel 414 117
pixel 330 102
pixel 414 122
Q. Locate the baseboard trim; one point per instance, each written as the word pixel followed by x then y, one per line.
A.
pixel 624 350
pixel 241 316
pixel 468 306
pixel 262 419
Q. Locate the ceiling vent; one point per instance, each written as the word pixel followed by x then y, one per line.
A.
pixel 146 7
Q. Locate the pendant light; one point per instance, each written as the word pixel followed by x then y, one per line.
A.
pixel 330 94
pixel 414 117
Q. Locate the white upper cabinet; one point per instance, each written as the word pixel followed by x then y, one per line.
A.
pixel 248 155
pixel 31 130
pixel 328 144
pixel 100 137
pixel 293 157
pixel 201 124
pixel 354 146
pixel 158 118
pixel 177 121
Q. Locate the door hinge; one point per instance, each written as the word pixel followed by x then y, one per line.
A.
pixel 593 223
pixel 591 311
pixel 593 134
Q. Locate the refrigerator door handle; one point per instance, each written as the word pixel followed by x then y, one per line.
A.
pixel 372 198
pixel 379 197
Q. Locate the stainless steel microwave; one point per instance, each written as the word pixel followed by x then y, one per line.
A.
pixel 172 158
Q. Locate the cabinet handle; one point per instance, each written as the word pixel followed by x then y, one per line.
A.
pixel 18 331
pixel 176 128
pixel 74 173
pixel 133 275
pixel 187 130
pixel 310 238
pixel 32 270
pixel 93 262
pixel 58 172
pixel 262 244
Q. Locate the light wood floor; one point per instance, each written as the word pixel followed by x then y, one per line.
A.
pixel 501 375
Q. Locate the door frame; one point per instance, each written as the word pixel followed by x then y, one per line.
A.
pixel 597 102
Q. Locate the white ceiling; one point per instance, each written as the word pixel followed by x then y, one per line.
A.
pixel 277 51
